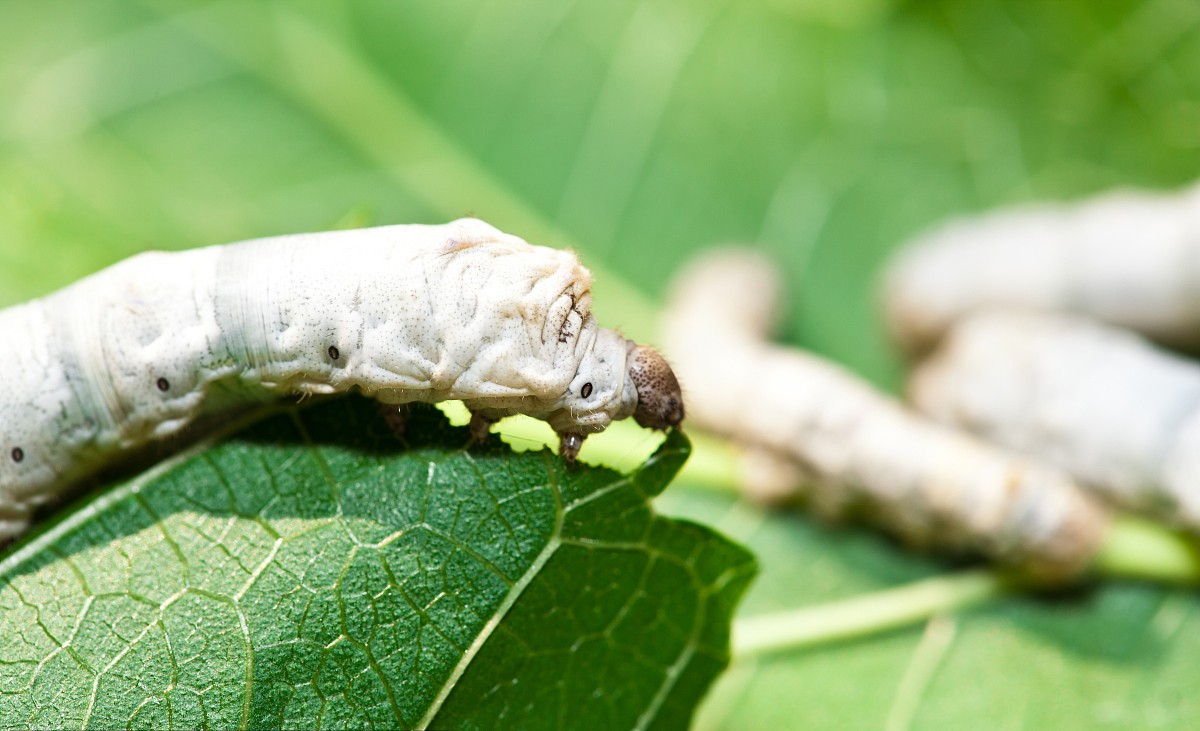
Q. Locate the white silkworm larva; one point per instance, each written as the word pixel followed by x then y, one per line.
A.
pixel 861 449
pixel 1127 258
pixel 1120 415
pixel 462 311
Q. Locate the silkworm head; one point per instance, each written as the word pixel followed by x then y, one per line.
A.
pixel 660 401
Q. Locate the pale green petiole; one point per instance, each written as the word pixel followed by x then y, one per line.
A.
pixel 866 614
pixel 1138 548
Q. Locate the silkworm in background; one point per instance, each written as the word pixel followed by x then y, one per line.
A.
pixel 860 450
pixel 1119 414
pixel 138 351
pixel 1127 258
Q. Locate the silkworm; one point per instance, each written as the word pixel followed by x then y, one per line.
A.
pixel 1120 415
pixel 1127 258
pixel 462 311
pixel 859 451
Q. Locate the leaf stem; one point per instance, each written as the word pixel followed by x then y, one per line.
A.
pixel 1138 548
pixel 867 614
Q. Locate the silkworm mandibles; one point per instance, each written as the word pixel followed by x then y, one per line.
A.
pixel 413 313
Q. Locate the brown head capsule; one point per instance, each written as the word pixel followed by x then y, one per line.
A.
pixel 660 402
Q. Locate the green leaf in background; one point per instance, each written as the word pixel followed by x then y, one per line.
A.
pixel 313 571
pixel 826 131
pixel 1117 656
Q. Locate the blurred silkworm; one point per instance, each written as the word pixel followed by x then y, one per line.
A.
pixel 1127 258
pixel 862 452
pixel 1117 413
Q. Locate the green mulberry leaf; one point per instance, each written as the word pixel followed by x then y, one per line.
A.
pixel 316 571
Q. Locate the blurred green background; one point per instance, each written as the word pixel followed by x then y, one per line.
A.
pixel 826 131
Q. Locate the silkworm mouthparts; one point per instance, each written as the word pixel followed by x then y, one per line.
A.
pixel 660 400
pixel 569 446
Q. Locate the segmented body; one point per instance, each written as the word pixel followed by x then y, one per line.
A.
pixel 1120 415
pixel 402 313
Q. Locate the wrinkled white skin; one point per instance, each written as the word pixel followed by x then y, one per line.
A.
pixel 1127 258
pixel 1117 413
pixel 820 433
pixel 416 313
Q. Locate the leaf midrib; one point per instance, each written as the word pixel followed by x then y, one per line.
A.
pixel 510 599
